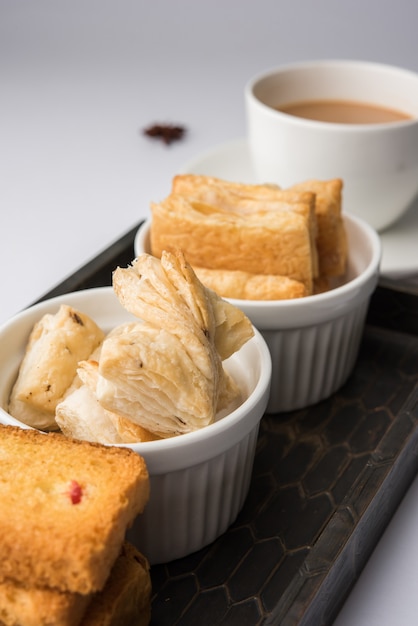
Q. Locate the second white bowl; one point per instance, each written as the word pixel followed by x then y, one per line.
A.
pixel 313 341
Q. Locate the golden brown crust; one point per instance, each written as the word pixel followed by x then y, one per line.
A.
pixel 260 243
pixel 244 199
pixel 246 286
pixel 33 606
pixel 332 239
pixel 125 599
pixel 328 236
pixel 46 535
pixel 186 184
pixel 129 432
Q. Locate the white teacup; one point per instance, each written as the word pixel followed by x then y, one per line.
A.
pixel 378 162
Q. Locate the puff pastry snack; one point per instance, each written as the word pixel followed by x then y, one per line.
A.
pixel 324 196
pixel 331 238
pixel 188 184
pixel 162 373
pixel 261 242
pixel 248 286
pixel 55 346
pixel 81 416
pixel 244 199
pixel 165 372
pixel 167 291
pixel 255 241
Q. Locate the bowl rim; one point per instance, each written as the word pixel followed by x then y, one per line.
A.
pixel 321 65
pixel 315 299
pixel 193 445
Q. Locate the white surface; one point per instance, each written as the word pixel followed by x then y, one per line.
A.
pixel 386 592
pixel 232 161
pixel 78 82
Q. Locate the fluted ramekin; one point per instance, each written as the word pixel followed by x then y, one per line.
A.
pixel 313 341
pixel 199 481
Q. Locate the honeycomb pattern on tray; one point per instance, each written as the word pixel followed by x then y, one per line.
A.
pixel 316 472
pixel 326 481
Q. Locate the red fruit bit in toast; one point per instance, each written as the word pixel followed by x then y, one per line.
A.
pixel 75 492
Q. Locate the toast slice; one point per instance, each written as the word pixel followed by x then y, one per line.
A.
pixel 66 506
pixel 40 606
pixel 125 599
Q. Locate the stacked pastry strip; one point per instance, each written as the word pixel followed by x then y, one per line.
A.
pixel 66 506
pixel 331 236
pixel 254 241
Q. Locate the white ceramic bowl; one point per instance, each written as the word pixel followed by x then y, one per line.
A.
pixel 314 341
pixel 199 481
pixel 377 162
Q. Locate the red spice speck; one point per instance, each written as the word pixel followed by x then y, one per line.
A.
pixel 75 492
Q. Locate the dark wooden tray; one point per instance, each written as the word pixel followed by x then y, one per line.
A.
pixel 326 482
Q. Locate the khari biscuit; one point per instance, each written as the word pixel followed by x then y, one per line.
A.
pixel 188 184
pixel 66 506
pixel 80 414
pixel 267 242
pixel 148 376
pixel 332 239
pixel 242 198
pixel 56 344
pixel 126 430
pixel 165 292
pixel 161 374
pixel 165 371
pixel 247 286
pixel 329 231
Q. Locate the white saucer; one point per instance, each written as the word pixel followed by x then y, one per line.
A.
pixel 400 242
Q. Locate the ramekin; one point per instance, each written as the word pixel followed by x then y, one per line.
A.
pixel 199 481
pixel 313 341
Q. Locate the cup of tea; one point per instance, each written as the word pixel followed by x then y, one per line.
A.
pixel 353 120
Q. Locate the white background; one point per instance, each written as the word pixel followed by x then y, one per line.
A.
pixel 80 80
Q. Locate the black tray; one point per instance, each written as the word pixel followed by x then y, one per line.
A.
pixel 326 481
